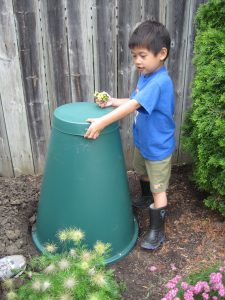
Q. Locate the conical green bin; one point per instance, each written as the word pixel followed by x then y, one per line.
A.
pixel 85 184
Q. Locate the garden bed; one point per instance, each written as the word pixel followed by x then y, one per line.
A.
pixel 195 235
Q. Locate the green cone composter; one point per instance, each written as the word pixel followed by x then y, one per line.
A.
pixel 85 184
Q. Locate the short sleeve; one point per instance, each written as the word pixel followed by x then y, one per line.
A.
pixel 148 96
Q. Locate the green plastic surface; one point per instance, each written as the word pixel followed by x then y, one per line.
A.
pixel 85 184
pixel 71 118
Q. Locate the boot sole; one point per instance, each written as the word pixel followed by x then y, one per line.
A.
pixel 151 247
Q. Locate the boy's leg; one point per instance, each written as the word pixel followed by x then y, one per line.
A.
pixel 160 199
pixel 146 197
pixel 159 172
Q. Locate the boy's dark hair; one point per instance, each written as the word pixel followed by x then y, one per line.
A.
pixel 151 35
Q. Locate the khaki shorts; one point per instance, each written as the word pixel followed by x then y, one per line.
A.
pixel 158 171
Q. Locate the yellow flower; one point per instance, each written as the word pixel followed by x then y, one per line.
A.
pixel 92 271
pixel 84 265
pixel 8 284
pixel 101 247
pixel 64 264
pixel 50 247
pixel 63 235
pixel 86 255
pixel 73 252
pixel 45 285
pixel 93 297
pixel 65 297
pixel 99 279
pixel 50 269
pixel 76 235
pixel 36 285
pixel 11 296
pixel 70 282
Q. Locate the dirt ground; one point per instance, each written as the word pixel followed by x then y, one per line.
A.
pixel 195 235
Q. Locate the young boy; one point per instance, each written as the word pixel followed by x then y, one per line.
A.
pixel 153 129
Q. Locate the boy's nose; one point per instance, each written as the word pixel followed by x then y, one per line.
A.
pixel 137 61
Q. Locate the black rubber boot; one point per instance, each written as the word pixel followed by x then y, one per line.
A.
pixel 156 234
pixel 146 198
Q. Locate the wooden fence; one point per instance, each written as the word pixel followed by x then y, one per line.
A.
pixel 58 51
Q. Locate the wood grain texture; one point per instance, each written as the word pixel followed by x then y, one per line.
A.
pixel 6 167
pixel 80 49
pixel 57 47
pixel 12 94
pixel 59 51
pixel 31 57
pixel 129 16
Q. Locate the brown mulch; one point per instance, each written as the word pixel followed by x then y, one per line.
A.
pixel 195 234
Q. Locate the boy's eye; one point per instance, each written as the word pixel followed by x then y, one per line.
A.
pixel 141 56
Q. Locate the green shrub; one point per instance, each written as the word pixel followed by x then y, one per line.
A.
pixel 204 126
pixel 78 274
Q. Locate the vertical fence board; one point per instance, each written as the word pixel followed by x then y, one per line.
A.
pixel 47 70
pixel 57 51
pixel 6 168
pixel 150 10
pixel 129 16
pixel 79 27
pixel 105 45
pixel 12 95
pixel 176 14
pixel 31 57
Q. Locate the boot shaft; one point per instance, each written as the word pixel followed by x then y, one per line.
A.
pixel 157 217
pixel 155 236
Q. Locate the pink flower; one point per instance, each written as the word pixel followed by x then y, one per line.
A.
pixel 222 269
pixel 201 286
pixel 152 269
pixel 173 282
pixel 215 278
pixel 222 291
pixel 173 267
pixel 214 298
pixel 170 285
pixel 184 285
pixel 205 296
pixel 188 295
pixel 171 294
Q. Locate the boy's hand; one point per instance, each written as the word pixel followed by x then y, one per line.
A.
pixel 103 99
pixel 103 104
pixel 94 129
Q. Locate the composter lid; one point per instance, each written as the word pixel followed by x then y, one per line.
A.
pixel 71 118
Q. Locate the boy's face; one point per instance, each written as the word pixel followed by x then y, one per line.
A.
pixel 146 61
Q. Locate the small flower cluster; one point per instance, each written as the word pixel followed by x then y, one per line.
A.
pixel 212 289
pixel 77 274
pixel 102 96
pixel 75 235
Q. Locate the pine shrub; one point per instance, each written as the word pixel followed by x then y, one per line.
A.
pixel 204 126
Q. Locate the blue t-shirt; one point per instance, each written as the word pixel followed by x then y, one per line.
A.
pixel 154 126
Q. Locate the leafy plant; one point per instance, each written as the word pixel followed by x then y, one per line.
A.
pixel 78 274
pixel 204 126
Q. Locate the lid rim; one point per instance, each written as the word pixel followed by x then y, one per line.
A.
pixel 64 118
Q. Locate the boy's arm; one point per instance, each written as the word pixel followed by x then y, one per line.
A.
pixel 98 124
pixel 119 101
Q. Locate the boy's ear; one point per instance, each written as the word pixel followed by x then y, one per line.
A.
pixel 163 53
